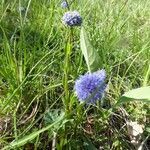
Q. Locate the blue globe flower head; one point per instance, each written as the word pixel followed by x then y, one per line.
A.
pixel 91 87
pixel 64 4
pixel 72 18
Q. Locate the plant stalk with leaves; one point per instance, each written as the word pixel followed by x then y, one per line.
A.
pixel 68 50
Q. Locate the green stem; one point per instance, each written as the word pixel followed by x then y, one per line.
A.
pixel 67 70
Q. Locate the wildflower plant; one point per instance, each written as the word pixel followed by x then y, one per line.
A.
pixel 70 19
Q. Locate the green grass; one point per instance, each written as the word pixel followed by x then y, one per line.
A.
pixel 34 89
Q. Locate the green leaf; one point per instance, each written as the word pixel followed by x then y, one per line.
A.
pixel 139 94
pixel 33 135
pixel 91 56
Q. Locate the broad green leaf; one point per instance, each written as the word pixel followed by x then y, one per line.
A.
pixel 139 94
pixel 91 56
pixel 33 135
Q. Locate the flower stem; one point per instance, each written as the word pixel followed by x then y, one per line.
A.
pixel 67 70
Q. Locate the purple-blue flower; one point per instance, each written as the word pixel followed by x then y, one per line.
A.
pixel 72 18
pixel 91 87
pixel 64 4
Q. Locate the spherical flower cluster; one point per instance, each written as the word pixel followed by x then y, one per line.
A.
pixel 90 87
pixel 64 4
pixel 72 18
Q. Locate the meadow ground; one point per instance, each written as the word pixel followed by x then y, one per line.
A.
pixel 38 105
